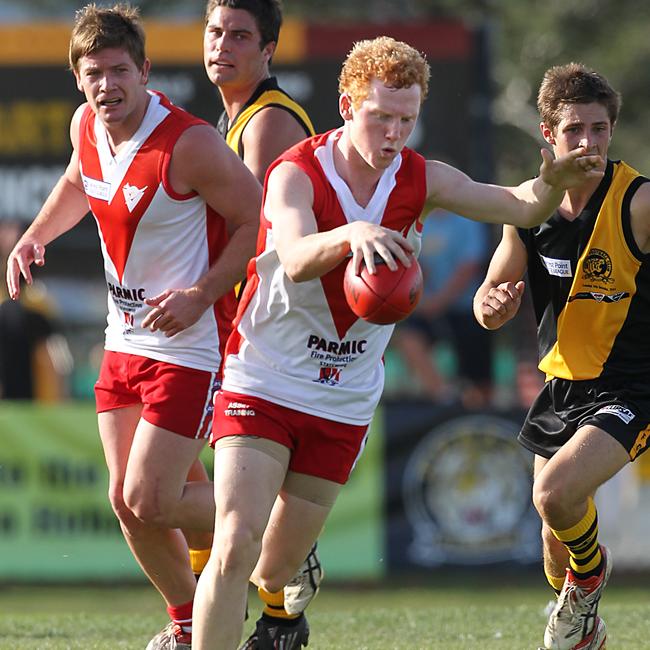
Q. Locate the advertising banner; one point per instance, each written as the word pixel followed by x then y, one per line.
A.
pixel 434 488
pixel 55 520
pixel 56 523
pixel 40 94
pixel 458 488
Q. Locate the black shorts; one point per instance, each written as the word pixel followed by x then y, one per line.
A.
pixel 621 408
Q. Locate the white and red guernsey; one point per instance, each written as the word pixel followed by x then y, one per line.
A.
pixel 299 344
pixel 151 237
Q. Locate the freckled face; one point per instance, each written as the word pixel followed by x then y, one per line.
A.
pixel 381 125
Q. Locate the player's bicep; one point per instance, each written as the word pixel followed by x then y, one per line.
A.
pixel 640 217
pixel 72 172
pixel 445 184
pixel 238 194
pixel 453 190
pixel 202 162
pixel 289 207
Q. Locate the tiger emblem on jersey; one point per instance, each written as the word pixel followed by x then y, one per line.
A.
pixel 597 266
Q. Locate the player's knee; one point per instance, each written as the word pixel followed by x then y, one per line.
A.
pixel 541 497
pixel 236 548
pixel 273 581
pixel 549 497
pixel 274 575
pixel 129 523
pixel 116 499
pixel 145 506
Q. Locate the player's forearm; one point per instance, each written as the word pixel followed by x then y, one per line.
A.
pixel 487 316
pixel 538 199
pixel 314 255
pixel 497 303
pixel 230 267
pixel 63 209
pixel 477 303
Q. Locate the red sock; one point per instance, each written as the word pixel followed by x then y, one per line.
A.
pixel 182 615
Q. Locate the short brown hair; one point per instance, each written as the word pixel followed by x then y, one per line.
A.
pixel 267 15
pixel 97 28
pixel 574 83
pixel 394 63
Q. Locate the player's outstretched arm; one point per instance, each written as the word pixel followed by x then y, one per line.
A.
pixel 202 162
pixel 304 252
pixel 64 208
pixel 498 298
pixel 526 205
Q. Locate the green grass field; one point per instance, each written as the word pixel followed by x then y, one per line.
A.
pixel 449 616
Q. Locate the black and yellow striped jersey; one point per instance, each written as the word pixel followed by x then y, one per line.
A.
pixel 590 285
pixel 268 93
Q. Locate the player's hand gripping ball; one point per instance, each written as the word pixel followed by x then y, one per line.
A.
pixel 386 297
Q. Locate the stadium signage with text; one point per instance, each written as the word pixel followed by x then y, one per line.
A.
pixel 56 523
pixel 35 128
pixel 40 94
pixel 23 189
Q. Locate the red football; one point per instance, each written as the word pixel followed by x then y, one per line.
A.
pixel 386 297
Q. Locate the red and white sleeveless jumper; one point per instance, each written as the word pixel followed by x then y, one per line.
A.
pixel 299 344
pixel 152 238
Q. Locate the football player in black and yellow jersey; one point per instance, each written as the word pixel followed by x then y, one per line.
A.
pixel 589 279
pixel 259 122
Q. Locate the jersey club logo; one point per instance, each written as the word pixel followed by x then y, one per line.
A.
pixel 329 375
pixel 128 324
pixel 597 266
pixel 132 195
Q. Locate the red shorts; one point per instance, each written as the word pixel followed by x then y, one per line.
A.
pixel 175 398
pixel 319 447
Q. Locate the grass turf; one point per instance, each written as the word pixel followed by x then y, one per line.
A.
pixel 448 615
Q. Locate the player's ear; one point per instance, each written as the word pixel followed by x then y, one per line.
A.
pixel 547 133
pixel 345 106
pixel 269 50
pixel 76 71
pixel 146 66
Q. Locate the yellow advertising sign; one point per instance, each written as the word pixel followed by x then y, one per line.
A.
pixel 167 42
